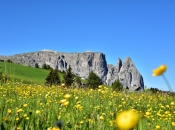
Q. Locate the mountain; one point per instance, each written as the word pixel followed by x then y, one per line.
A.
pixel 82 64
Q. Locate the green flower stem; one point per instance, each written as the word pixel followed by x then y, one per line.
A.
pixel 170 89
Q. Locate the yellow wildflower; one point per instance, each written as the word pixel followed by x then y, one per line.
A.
pixel 38 112
pixel 173 123
pixel 67 96
pixel 157 126
pixel 65 103
pixel 101 118
pixel 100 86
pixel 19 110
pixel 18 128
pixel 62 84
pixel 172 103
pixel 25 105
pixel 9 111
pixel 127 120
pixel 25 115
pixel 81 122
pixel 17 118
pixel 111 123
pixel 160 70
pixel 55 128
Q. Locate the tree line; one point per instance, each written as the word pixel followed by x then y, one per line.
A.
pixel 93 80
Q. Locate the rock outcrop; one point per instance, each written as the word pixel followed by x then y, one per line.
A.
pixel 130 76
pixel 82 64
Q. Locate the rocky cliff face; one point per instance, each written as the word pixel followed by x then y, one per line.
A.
pixel 82 64
pixel 130 76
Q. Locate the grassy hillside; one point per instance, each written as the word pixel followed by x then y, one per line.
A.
pixel 25 73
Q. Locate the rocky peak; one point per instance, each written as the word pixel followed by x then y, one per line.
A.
pixel 119 64
pixel 82 64
pixel 130 76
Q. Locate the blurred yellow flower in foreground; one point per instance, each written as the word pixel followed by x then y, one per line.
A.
pixel 127 120
pixel 160 70
pixel 173 123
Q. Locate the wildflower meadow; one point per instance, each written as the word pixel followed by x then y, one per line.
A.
pixel 37 107
pixel 33 107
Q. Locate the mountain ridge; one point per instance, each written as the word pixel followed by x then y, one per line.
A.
pixel 82 63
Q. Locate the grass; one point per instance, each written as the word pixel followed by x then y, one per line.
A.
pixel 34 107
pixel 27 74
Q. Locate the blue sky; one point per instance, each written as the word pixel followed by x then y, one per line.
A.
pixel 143 30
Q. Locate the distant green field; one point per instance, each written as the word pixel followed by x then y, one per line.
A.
pixel 25 73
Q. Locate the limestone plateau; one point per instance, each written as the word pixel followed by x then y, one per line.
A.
pixel 83 63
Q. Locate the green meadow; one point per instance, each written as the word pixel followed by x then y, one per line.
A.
pixel 28 74
pixel 33 106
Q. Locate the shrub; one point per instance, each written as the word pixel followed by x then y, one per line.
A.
pixel 154 90
pixel 45 66
pixel 9 61
pixel 117 85
pixel 36 65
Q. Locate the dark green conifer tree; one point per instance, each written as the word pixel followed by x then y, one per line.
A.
pixel 52 78
pixel 93 80
pixel 68 77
